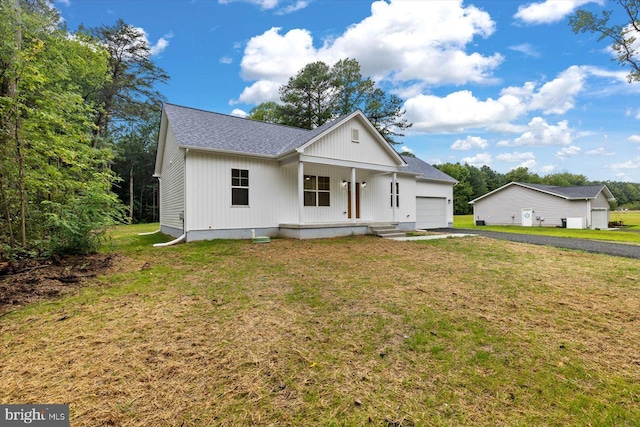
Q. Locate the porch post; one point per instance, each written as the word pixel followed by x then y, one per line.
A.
pixel 353 195
pixel 300 192
pixel 394 196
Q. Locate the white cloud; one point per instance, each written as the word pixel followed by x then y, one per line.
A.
pixel 516 157
pixel 469 142
pixel 548 169
pixel 226 60
pixel 601 151
pixel 259 92
pixel 460 110
pixel 565 152
pixel 401 41
pixel 527 49
pixel 631 164
pixel 239 113
pixel 264 4
pixel 406 149
pixel 549 10
pixel 634 138
pixel 558 95
pixel 478 160
pixel 63 2
pixel 298 5
pixel 159 46
pixel 541 133
pixel 529 164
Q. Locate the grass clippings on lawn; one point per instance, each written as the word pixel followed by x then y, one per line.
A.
pixel 351 331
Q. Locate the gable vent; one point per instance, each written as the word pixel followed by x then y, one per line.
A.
pixel 355 135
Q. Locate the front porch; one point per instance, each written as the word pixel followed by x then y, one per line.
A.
pixel 327 230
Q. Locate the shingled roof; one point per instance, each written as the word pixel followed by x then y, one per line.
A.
pixel 425 171
pixel 578 192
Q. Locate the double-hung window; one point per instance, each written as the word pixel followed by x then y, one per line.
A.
pixel 239 187
pixel 397 194
pixel 317 190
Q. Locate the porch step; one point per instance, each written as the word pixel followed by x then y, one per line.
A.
pixel 386 231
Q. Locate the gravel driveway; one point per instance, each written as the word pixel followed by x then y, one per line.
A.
pixel 598 247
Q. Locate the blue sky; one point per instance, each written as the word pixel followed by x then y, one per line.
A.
pixel 504 83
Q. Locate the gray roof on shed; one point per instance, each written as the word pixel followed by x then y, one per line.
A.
pixel 578 192
pixel 425 170
pixel 221 132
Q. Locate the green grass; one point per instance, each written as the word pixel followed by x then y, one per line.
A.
pixel 630 233
pixel 345 332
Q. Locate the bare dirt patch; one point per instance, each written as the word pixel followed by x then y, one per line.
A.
pixel 29 280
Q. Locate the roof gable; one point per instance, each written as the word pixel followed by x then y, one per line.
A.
pixel 579 192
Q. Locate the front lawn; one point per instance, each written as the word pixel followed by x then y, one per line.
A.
pixel 348 331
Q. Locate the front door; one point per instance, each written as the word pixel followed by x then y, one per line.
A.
pixel 527 217
pixel 357 199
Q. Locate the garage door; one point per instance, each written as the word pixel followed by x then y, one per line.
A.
pixel 431 212
pixel 599 219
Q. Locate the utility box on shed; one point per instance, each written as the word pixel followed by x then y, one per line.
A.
pixel 579 223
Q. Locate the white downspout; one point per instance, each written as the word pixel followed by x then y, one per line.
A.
pixel 300 193
pixel 173 242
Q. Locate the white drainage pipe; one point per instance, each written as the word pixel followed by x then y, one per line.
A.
pixel 149 233
pixel 173 242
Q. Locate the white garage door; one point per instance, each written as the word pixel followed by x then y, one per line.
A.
pixel 431 212
pixel 599 219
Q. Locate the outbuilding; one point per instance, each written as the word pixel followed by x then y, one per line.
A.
pixel 530 205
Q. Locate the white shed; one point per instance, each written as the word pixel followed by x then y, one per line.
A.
pixel 529 205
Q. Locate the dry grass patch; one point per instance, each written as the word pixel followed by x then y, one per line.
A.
pixel 353 331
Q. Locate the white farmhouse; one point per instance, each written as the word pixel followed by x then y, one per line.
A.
pixel 228 177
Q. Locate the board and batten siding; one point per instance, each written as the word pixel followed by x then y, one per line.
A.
pixel 172 185
pixel 338 144
pixel 272 197
pixel 505 207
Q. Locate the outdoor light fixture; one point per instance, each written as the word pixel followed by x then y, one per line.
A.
pixel 344 183
pixel 364 184
pixel 449 201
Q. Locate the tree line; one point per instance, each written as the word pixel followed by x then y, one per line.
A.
pixel 79 113
pixel 474 182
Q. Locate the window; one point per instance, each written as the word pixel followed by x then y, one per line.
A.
pixel 316 190
pixel 355 135
pixel 397 194
pixel 239 187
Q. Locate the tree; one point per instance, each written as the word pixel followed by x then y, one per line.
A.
pixel 624 37
pixel 307 97
pixel 47 156
pixel 319 93
pixel 266 112
pixel 522 174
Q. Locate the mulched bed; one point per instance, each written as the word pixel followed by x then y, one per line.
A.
pixel 29 280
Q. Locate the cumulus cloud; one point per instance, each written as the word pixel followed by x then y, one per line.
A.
pixel 516 157
pixel 239 113
pixel 558 95
pixel 226 60
pixel 469 142
pixel 601 151
pixel 541 133
pixel 565 152
pixel 529 164
pixel 406 149
pixel 631 164
pixel 159 46
pixel 459 111
pixel 400 42
pixel 549 11
pixel 548 168
pixel 478 160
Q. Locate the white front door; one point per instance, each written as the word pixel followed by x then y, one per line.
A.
pixel 527 217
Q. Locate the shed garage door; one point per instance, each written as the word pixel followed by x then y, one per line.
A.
pixel 431 212
pixel 600 219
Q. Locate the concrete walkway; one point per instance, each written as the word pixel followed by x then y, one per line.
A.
pixel 431 236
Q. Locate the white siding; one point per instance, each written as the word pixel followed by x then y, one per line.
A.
pixel 505 207
pixel 172 183
pixel 338 145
